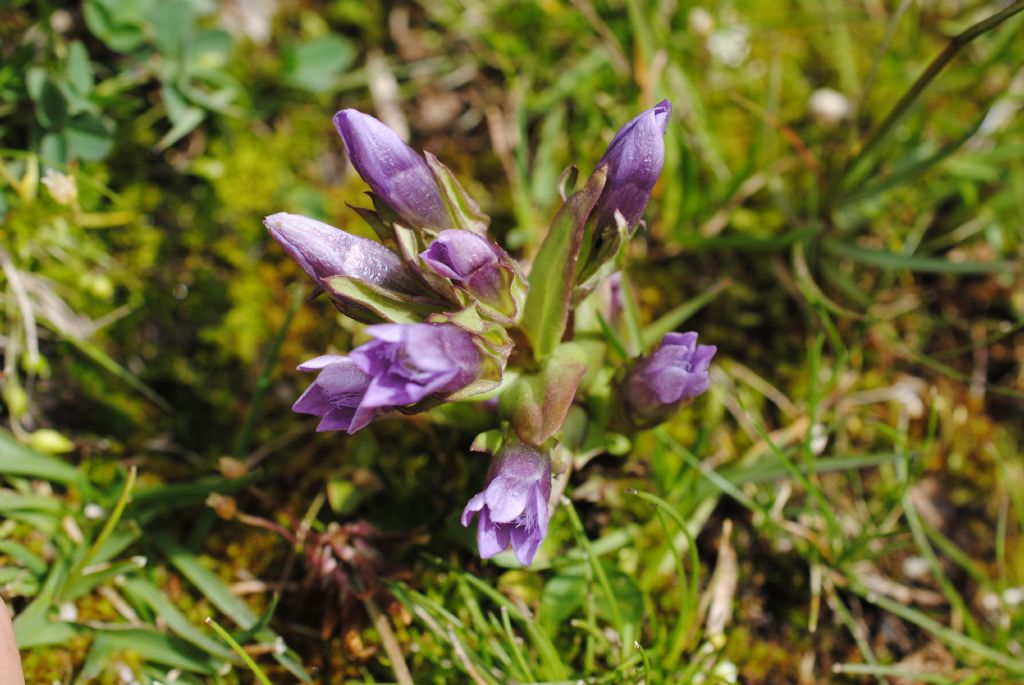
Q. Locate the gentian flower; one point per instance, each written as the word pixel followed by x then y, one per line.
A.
pixel 336 394
pixel 396 173
pixel 474 264
pixel 513 505
pixel 404 365
pixel 678 371
pixel 634 160
pixel 324 251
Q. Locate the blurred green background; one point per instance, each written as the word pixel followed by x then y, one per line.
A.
pixel 841 212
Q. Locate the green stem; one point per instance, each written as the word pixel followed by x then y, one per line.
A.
pixel 263 383
pixel 952 49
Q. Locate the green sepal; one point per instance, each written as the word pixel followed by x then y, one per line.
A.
pixel 536 404
pixel 553 275
pixel 383 229
pixel 488 441
pixel 464 210
pixel 604 262
pixel 490 338
pixel 408 245
pixel 380 303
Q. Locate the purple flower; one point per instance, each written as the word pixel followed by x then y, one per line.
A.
pixel 324 251
pixel 475 264
pixel 513 506
pixel 409 362
pixel 404 365
pixel 634 159
pixel 336 394
pixel 395 172
pixel 656 386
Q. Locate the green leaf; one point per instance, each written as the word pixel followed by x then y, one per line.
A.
pixel 88 138
pixel 172 23
pixel 79 68
pixel 676 316
pixel 316 64
pixel 561 597
pixel 51 106
pixel 53 148
pixel 118 23
pixel 18 460
pixel 935 265
pixel 383 304
pixel 211 587
pixel 176 621
pixel 554 269
pixel 152 646
pixel 464 210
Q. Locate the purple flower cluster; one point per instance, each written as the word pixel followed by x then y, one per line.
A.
pixel 447 304
pixel 401 367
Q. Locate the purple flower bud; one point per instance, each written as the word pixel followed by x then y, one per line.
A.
pixel 513 505
pixel 656 386
pixel 395 172
pixel 634 159
pixel 475 264
pixel 405 364
pixel 324 251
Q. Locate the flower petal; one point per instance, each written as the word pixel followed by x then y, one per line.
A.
pixel 491 538
pixel 507 498
pixel 475 504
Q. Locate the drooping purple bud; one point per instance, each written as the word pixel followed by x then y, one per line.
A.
pixel 403 365
pixel 474 264
pixel 678 371
pixel 513 505
pixel 324 251
pixel 396 173
pixel 634 159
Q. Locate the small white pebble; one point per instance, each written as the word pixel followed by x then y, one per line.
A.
pixel 819 438
pixel 1014 596
pixel 701 22
pixel 68 612
pixel 730 45
pixel 94 512
pixel 829 107
pixel 915 568
pixel 61 21
pixel 63 188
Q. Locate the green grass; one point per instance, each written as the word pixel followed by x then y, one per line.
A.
pixel 861 279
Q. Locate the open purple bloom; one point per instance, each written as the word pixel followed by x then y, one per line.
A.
pixel 336 394
pixel 678 371
pixel 403 365
pixel 634 159
pixel 395 172
pixel 324 251
pixel 513 505
pixel 475 264
pixel 409 362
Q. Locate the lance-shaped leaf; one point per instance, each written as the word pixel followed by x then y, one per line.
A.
pixel 464 210
pixel 554 270
pixel 370 303
pixel 536 404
